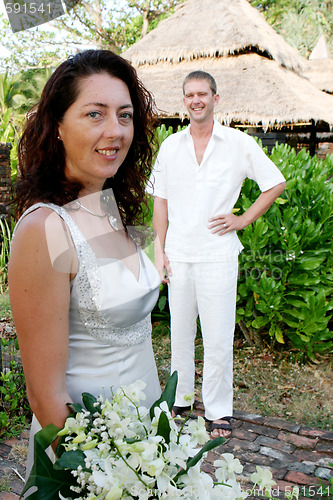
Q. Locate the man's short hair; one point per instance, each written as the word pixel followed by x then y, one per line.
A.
pixel 201 75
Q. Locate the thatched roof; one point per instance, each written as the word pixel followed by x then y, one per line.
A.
pixel 258 74
pixel 253 90
pixel 212 28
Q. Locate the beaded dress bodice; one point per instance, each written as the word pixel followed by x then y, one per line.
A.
pixel 111 305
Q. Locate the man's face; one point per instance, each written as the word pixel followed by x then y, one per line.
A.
pixel 199 100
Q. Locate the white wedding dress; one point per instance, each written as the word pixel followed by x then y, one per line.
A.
pixel 109 324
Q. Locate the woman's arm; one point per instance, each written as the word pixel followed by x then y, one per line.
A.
pixel 39 297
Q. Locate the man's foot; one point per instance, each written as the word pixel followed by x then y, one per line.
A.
pixel 219 428
pixel 181 411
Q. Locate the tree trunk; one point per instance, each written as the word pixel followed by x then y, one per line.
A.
pixel 145 18
pixel 251 336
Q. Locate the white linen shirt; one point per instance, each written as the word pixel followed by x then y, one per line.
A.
pixel 195 193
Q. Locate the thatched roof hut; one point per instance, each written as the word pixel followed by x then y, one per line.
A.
pixel 210 28
pixel 257 72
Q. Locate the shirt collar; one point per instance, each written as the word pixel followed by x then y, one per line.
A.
pixel 217 130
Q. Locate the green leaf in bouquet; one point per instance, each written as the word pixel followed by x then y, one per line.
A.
pixel 71 460
pixel 89 402
pixel 76 406
pixel 43 477
pixel 163 428
pixel 168 395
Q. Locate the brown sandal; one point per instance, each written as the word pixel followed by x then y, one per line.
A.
pixel 181 411
pixel 211 425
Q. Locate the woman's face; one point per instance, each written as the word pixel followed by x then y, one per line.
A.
pixel 97 131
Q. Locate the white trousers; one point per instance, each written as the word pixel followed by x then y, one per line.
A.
pixel 207 289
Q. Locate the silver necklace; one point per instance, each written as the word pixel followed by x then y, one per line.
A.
pixel 112 220
pixel 89 211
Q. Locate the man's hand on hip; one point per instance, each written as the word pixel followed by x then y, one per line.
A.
pixel 222 224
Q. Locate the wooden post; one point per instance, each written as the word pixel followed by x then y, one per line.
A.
pixel 313 138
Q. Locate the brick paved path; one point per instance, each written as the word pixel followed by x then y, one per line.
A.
pixel 296 455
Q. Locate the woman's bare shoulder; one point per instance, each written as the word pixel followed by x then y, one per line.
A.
pixel 39 219
pixel 45 232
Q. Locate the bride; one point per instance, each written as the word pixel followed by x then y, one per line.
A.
pixel 81 288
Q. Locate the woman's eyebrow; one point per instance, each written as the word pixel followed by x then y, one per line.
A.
pixel 103 105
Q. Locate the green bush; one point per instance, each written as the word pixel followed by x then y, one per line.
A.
pixel 15 411
pixel 285 279
pixel 5 238
pixel 8 134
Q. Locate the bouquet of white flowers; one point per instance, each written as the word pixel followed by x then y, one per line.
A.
pixel 117 449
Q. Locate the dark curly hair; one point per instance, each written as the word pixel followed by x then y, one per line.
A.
pixel 42 156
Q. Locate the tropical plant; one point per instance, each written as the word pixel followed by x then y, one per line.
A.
pixel 285 279
pixel 5 237
pixel 300 22
pixel 15 412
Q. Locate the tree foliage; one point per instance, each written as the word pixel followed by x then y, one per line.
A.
pixel 91 23
pixel 300 22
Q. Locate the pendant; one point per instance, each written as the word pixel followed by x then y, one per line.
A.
pixel 113 222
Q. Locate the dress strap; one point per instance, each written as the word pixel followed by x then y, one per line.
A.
pixel 76 234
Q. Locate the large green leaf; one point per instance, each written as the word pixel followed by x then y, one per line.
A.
pixel 168 395
pixel 163 428
pixel 309 263
pixel 303 279
pixel 43 476
pixel 71 460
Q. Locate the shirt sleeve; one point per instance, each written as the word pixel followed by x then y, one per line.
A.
pixel 260 168
pixel 157 185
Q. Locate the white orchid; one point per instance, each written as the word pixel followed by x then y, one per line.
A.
pixel 227 467
pixel 134 391
pixel 197 430
pixel 263 478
